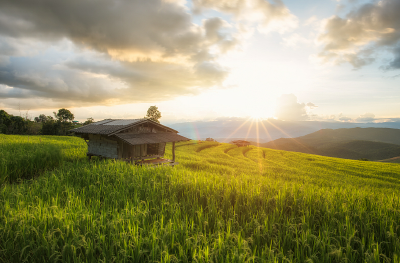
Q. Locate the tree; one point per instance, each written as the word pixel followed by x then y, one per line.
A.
pixel 51 127
pixel 153 114
pixel 5 121
pixel 60 125
pixel 42 118
pixel 64 115
pixel 88 121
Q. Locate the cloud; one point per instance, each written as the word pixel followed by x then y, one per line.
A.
pixel 362 33
pixel 295 40
pixel 136 28
pixel 367 117
pixel 90 79
pixel 290 110
pixel 269 15
pixel 311 105
pixel 395 64
pixel 81 52
pixel 344 118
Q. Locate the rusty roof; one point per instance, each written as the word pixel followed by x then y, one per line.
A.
pixel 112 126
pixel 146 138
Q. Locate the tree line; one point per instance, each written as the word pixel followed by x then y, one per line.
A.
pixel 58 124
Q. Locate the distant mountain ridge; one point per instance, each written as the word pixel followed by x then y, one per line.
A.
pixel 386 135
pixel 265 130
pixel 354 143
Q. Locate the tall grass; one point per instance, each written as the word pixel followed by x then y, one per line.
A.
pixel 23 157
pixel 218 205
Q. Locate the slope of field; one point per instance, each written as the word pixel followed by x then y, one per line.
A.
pixel 391 160
pixel 356 143
pixel 220 204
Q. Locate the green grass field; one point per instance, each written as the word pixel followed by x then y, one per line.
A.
pixel 24 157
pixel 220 204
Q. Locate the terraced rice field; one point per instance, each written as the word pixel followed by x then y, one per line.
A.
pixel 220 204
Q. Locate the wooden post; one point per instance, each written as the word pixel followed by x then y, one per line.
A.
pixel 173 151
pixel 141 151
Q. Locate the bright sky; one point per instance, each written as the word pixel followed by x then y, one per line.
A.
pixel 202 59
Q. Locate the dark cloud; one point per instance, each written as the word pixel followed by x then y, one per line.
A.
pixel 107 51
pixel 363 32
pixel 125 29
pixel 395 64
pixel 288 108
pixel 90 80
pixel 103 25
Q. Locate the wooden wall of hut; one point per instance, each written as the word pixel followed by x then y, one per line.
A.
pixel 100 145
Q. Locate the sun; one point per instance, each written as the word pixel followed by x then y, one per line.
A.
pixel 258 111
pixel 256 117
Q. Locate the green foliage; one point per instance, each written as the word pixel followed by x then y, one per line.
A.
pixel 220 204
pixel 10 124
pixel 64 115
pixel 5 121
pixel 41 118
pixel 153 114
pixel 51 127
pixel 59 125
pixel 88 121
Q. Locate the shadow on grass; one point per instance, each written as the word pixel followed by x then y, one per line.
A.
pixel 20 161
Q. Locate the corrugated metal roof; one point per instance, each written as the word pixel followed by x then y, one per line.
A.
pixel 146 138
pixel 98 129
pixel 122 122
pixel 104 126
pixel 111 126
pixel 101 122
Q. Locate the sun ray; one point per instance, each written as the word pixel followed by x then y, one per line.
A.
pixel 266 130
pixel 260 161
pixel 289 136
pixel 230 135
pixel 249 129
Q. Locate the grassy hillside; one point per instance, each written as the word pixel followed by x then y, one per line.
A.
pixel 220 204
pixel 391 160
pixel 356 143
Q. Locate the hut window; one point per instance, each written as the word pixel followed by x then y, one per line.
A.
pixel 152 149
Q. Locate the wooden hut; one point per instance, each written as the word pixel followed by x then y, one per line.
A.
pixel 241 143
pixel 139 141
